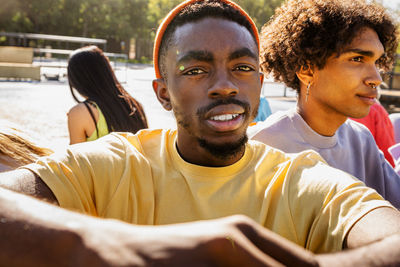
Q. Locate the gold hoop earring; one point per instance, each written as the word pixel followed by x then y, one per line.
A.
pixel 308 90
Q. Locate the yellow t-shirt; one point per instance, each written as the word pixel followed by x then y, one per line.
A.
pixel 141 179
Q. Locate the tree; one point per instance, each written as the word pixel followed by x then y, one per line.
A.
pixel 114 20
pixel 259 10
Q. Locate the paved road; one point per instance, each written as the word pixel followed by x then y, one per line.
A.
pixel 40 107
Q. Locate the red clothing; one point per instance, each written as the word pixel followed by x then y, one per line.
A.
pixel 379 124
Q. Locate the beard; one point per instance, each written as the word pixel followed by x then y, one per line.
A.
pixel 224 150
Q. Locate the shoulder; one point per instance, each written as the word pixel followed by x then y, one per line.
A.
pixel 311 178
pixel 102 148
pixel 275 121
pixel 308 176
pixel 334 201
pixel 78 109
pixel 146 139
pixel 81 109
pixel 355 128
pixel 79 113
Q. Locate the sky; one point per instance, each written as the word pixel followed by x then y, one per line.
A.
pixel 394 4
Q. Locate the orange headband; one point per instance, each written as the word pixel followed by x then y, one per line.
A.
pixel 171 15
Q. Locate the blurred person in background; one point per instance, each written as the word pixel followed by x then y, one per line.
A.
pixel 378 123
pixel 107 107
pixel 264 110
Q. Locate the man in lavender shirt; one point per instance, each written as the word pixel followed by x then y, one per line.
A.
pixel 333 62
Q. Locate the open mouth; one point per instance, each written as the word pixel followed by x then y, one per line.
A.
pixel 226 122
pixel 224 117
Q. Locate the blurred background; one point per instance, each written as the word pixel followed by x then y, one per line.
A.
pixel 128 25
pixel 37 36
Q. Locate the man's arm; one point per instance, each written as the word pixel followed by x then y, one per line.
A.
pixel 34 233
pixel 26 182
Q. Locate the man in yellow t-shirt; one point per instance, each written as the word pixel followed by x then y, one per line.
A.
pixel 204 170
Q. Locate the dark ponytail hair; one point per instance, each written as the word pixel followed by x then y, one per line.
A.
pixel 90 73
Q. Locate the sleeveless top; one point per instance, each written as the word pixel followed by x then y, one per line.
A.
pixel 101 125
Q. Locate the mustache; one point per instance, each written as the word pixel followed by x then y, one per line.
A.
pixel 203 110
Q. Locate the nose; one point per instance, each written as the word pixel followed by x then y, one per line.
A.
pixel 374 78
pixel 222 86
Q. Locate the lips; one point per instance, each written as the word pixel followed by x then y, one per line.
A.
pixel 225 118
pixel 368 99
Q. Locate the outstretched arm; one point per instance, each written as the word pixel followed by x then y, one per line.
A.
pixel 35 233
pixel 25 181
pixel 47 235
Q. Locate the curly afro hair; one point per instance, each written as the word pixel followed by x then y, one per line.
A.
pixel 307 32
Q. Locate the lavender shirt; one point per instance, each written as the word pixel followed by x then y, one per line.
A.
pixel 352 149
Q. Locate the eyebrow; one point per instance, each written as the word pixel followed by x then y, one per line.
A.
pixel 243 52
pixel 206 56
pixel 196 55
pixel 366 53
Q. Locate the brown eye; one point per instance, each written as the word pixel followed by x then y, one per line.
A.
pixel 194 72
pixel 244 68
pixel 356 59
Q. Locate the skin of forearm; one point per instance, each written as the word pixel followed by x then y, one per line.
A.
pixel 34 233
pixel 41 238
pixel 26 182
pixel 385 252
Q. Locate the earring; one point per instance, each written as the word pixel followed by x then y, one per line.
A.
pixel 167 105
pixel 308 90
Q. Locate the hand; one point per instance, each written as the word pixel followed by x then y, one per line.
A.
pixel 230 241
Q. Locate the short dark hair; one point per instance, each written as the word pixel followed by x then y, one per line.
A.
pixel 90 73
pixel 195 12
pixel 307 32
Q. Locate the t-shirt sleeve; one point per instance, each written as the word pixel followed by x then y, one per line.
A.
pixel 84 176
pixel 326 202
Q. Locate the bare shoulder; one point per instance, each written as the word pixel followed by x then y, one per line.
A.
pixel 78 110
pixel 79 117
pixel 26 182
pixel 81 112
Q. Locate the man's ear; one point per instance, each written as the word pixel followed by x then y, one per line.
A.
pixel 160 88
pixel 305 74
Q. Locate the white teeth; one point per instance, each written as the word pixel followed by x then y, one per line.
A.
pixel 225 117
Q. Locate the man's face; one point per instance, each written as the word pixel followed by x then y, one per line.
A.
pixel 214 84
pixel 344 87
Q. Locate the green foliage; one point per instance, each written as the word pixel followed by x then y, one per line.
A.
pixel 259 10
pixel 114 20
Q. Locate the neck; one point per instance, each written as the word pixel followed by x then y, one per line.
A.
pixel 321 120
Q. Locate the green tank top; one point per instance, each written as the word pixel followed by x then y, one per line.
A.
pixel 101 126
